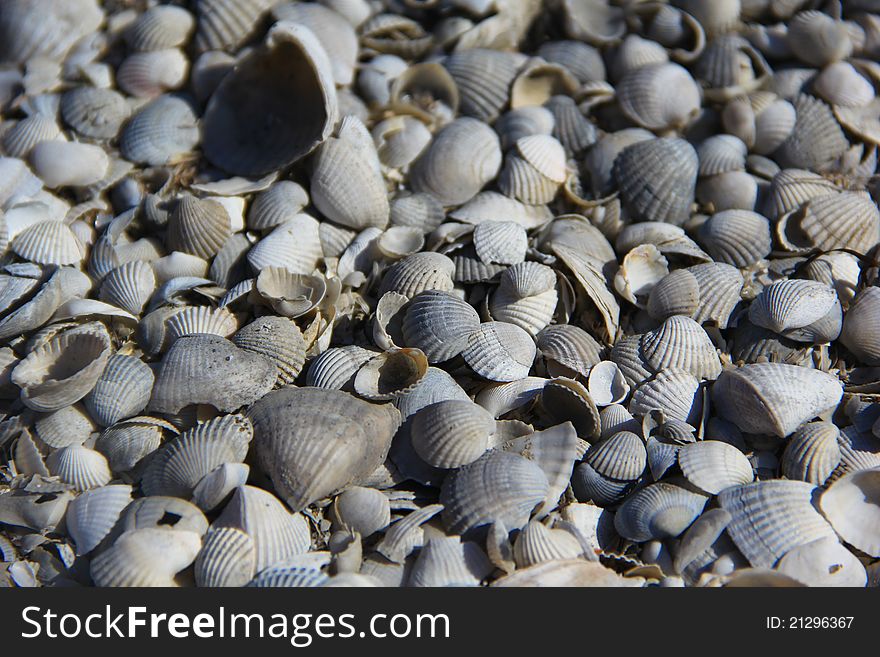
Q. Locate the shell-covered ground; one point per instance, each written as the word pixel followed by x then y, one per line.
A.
pixel 439 293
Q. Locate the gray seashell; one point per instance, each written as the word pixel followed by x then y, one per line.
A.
pixel 391 374
pixel 523 122
pixel 812 454
pixel 314 442
pixel 122 391
pixel 859 333
pixel 447 169
pixel 216 487
pixel 658 511
pixel 68 164
pixel 362 510
pixel 126 443
pixel 851 506
pixel 774 398
pixel 483 78
pixel 564 399
pixel 294 245
pixel 234 143
pixel 636 52
pixel 659 96
pixel 614 418
pixel 627 355
pixel 847 220
pixel 452 433
pixel 737 237
pixel 145 557
pixel 33 510
pixel 497 487
pixel 499 351
pixel 526 297
pixel 162 132
pixel 568 350
pixel 787 305
pixel 436 386
pixel 769 518
pixel 48 243
pixel 730 66
pixel 674 392
pixel 418 273
pixel 841 84
pixel 446 561
pixel 70 425
pixel 290 295
pixel 32 30
pixel 489 206
pixel 712 465
pixel 207 369
pixel 537 543
pixel 21 138
pixel 677 293
pixel 657 179
pixel 419 210
pixel 79 466
pixel 406 534
pixel 570 126
pixel 278 339
pixel 150 74
pixel 129 286
pixel 272 207
pixel 621 457
pixel 594 21
pixel 336 368
pixel 681 343
pixel 91 516
pixel 227 558
pixel 818 39
pixel 227 24
pixel 720 154
pixel 501 242
pixel 607 385
pixel 198 226
pixel 163 26
pixel 817 139
pixel 824 562
pixel 582 60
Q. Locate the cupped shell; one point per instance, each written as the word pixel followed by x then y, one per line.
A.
pixel 452 433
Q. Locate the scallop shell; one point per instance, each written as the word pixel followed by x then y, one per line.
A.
pixel 658 511
pixel 79 466
pixel 71 425
pixel 851 506
pixel 439 324
pixel 499 351
pixel 677 293
pixel 569 347
pixel 314 442
pixel 452 433
pixel 483 78
pixel 272 207
pixel 21 138
pixel 659 96
pixel 277 533
pixel 145 557
pixel 831 221
pixel 501 242
pixel 419 272
pixel 48 243
pixel 162 131
pixel 234 143
pixel 792 304
pixel 62 371
pixel 497 487
pixel 657 179
pixel 712 465
pixel 737 237
pixel 674 392
pixel 769 518
pixel 198 226
pixel 122 391
pixel 681 343
pixel 129 286
pixel 208 369
pixel 127 442
pixel 278 339
pixel 812 454
pixel 91 516
pixel 227 558
pixel 294 245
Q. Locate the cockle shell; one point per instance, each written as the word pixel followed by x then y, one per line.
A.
pixel 452 433
pixel 48 243
pixel 363 510
pixel 44 29
pixel 737 237
pixel 831 221
pixel 198 226
pixel 658 511
pixel 278 339
pixel 227 558
pixel 161 132
pixel 500 351
pixel 483 78
pixel 818 39
pixel 812 453
pixel 712 465
pixel 91 516
pixel 226 24
pixel 145 557
pixel 568 347
pixel 681 343
pixel 793 307
pixel 122 391
pixel 851 506
pixel 659 96
pixel 79 466
pixel 439 324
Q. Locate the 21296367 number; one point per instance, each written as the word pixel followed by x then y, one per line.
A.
pixel 810 622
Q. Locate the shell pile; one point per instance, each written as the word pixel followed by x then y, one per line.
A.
pixel 439 293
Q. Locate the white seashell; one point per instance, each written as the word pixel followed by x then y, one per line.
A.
pixel 712 465
pixel 362 510
pixel 569 347
pixel 93 112
pixel 163 131
pixel 21 138
pixel 44 29
pixel 216 486
pixel 406 534
pixel 737 237
pixel 813 453
pixel 642 268
pixel 337 367
pixel 150 74
pixel 162 26
pixel 452 433
pixel 841 84
pixel 391 374
pixel 446 561
pixel 795 307
pixel 281 202
pixel 659 96
pixel 70 425
pixel 607 385
pixel 91 516
pixel 483 78
pixel 658 511
pixel 682 344
pixel 399 242
pixel 122 391
pixel 294 245
pixel 79 466
pixel 817 139
pixel 502 242
pixel 675 392
pixel 818 39
pixel 48 243
pixel 289 294
pixel 851 506
pixel 227 558
pixel 499 351
pixel 127 442
pixel 145 557
pixel 68 164
pixel 227 24
pixel 536 543
pixel 278 339
pixel 129 286
pixel 824 562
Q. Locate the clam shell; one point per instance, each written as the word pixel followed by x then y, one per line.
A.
pixel 675 392
pixel 20 139
pixel 419 272
pixel 720 154
pixel 737 237
pixel 606 384
pixel 447 561
pixel 294 245
pixel 582 60
pixel 621 456
pixel 571 128
pixel 489 206
pixel 499 351
pixel 419 210
pixel 163 131
pixel 483 78
pixel 215 487
pixel 497 487
pixel 293 54
pixel 859 333
pixel 452 433
pixel 362 510
pixel 569 347
pixel 33 510
pixel 627 355
pixel 94 112
pixel 198 226
pixel 831 221
pixel 818 39
pixel 659 96
pixel 337 367
pixel 439 324
pixel 824 562
pixel 277 533
pixel 436 386
pixel 196 320
pixel 658 511
pixel 851 506
pixel 122 391
pixel 70 425
pixel 681 343
pixel 565 399
pixel 163 26
pixel 272 207
pixel 522 122
pixel 589 485
pixel 291 295
pixel 816 140
pixel 145 557
pixel 793 304
pixel 774 398
pixel 48 243
pixel 129 286
pixel 227 24
pixel 79 466
pixel 657 179
pixel 841 84
pixel 314 442
pixel 812 454
pixel 526 297
pixel 127 442
pixel 677 293
pixel 278 339
pixel 207 369
pixel 769 518
pixel 720 292
pixel 501 242
pixel 227 558
pixel 150 74
pixel 406 534
pixel 614 418
pixel 712 465
pixel 91 516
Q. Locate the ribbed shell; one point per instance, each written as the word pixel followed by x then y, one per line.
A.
pixel 737 237
pixel 33 29
pixel 675 392
pixel 294 245
pixel 145 557
pixel 27 133
pixel 817 139
pixel 499 351
pixel 659 96
pixel 657 179
pixel 227 558
pixel 122 391
pixel 812 454
pixel 272 207
pixel 79 466
pixel 681 343
pixel 419 210
pixel 522 122
pixel 71 425
pixel 483 78
pixel 446 561
pixel 792 304
pixel 569 346
pixel 198 226
pixel 720 288
pixel 126 443
pixel 278 339
pixel 537 543
pixel 94 112
pixel 658 511
pixel 91 516
pixel 712 465
pixel 391 374
pixel 335 368
pixel 497 487
pixel 48 243
pixel 620 456
pixel 818 39
pixel 769 518
pixel 589 485
pixel 163 26
pixel 463 157
pixel 852 506
pixel 677 293
pixel 315 442
pixel 501 242
pixel 720 154
pixel 226 24
pixel 419 272
pixel 571 127
pixel 150 74
pixel 129 286
pixel 452 433
pixel 833 221
pixel 774 398
pixel 363 510
pixel 160 133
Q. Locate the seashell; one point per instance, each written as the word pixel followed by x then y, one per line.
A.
pixel 162 132
pixel 335 368
pixel 62 371
pixel 48 243
pixel 658 511
pixel 68 164
pixel 774 398
pixel 198 226
pixel 537 543
pixel 160 27
pixel 420 211
pixel 277 533
pixel 737 237
pixel 447 561
pixel 824 562
pixel 91 516
pixel 791 188
pixel 227 558
pixel 627 355
pixel 831 221
pixel 418 273
pixel 858 334
pixel 681 343
pixel 235 144
pixel 657 179
pixel 642 268
pixel 129 286
pixel 712 465
pixel 659 96
pixel 291 295
pixel 572 572
pixel 294 245
pixel 208 369
pixel 607 385
pixel 406 534
pixel 127 442
pixel 497 487
pixel 70 425
pixel 216 487
pixel 816 141
pixel 669 240
pixel 20 139
pixel 773 126
pixel 674 392
pixel 277 339
pixel 730 66
pixel 841 84
pixel 538 82
pixel 44 30
pixel 181 463
pixel 79 466
pixel 483 78
pixel 526 297
pixel 581 60
pixel 501 242
pixel 851 506
pixel 34 510
pixel 285 576
pixel 614 418
pixel 451 433
pixel 362 510
pixel 524 122
pixel 389 33
pixel 812 454
pixel 227 24
pixel 499 351
pixel 283 201
pixel 620 457
pixel 150 74
pixel 145 557
pixel 594 21
pixel 769 518
pixel 720 154
pixel 488 206
pixel 568 350
pixel 400 241
pixel 817 39
pixel 400 140
pixel 346 181
pixel 447 169
pixel 436 386
pixel 570 127
pixel 839 270
pixel 677 293
pixel 564 399
pixel 636 52
pixel 305 460
pixel 391 374
pixel 793 304
pixel 122 391
pixel 93 112
pixel 720 292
